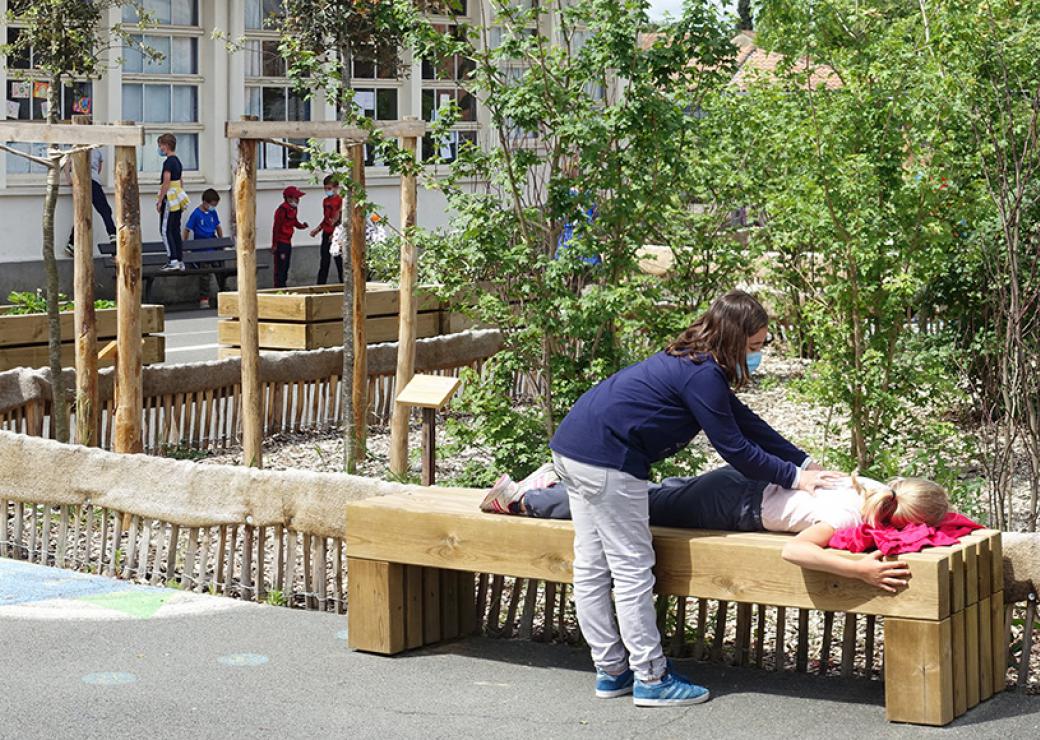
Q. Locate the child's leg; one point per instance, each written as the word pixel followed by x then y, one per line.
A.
pixel 164 231
pixel 339 266
pixel 175 247
pixel 548 503
pixel 595 609
pixel 325 260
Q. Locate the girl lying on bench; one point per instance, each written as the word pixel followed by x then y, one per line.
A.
pixel 843 516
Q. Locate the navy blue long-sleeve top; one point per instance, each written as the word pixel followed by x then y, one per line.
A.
pixel 651 410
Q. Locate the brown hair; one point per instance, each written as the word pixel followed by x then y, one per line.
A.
pixel 903 501
pixel 722 333
pixel 169 140
pixel 209 195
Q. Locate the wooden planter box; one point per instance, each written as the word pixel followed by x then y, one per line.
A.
pixel 311 317
pixel 23 337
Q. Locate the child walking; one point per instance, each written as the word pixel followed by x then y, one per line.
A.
pixel 603 450
pixel 332 208
pixel 285 225
pixel 171 202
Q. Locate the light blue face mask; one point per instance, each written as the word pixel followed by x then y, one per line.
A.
pixel 754 359
pixel 329 193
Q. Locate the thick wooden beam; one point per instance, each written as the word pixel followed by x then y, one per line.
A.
pixel 129 394
pixel 406 326
pixel 919 671
pixel 249 340
pixel 82 135
pixel 318 130
pixel 444 528
pixel 87 412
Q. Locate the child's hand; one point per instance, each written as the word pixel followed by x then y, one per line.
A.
pixel 314 232
pixel 305 225
pixel 887 575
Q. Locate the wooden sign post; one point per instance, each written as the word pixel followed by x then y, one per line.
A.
pixel 428 392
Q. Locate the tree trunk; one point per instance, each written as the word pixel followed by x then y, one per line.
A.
pixel 59 405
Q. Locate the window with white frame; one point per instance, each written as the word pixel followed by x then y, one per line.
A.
pixel 441 86
pixel 27 100
pixel 377 88
pixel 269 94
pixel 161 90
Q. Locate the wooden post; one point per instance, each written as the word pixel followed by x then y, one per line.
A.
pixel 83 299
pixel 406 324
pixel 358 274
pixel 245 244
pixel 129 396
pixel 429 446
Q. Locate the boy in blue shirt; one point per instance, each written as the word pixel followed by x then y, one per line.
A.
pixel 204 223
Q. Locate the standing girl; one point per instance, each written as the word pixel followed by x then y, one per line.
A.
pixel 603 450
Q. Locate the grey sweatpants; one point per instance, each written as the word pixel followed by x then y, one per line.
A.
pixel 612 541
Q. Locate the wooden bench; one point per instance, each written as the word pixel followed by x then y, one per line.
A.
pixel 412 559
pixel 216 257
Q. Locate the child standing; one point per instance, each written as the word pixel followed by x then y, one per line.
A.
pixel 285 224
pixel 332 208
pixel 204 223
pixel 603 450
pixel 171 202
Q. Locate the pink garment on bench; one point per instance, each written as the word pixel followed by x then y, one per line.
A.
pixel 911 538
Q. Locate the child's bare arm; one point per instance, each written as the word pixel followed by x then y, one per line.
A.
pixel 808 550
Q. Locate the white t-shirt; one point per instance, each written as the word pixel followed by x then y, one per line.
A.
pixel 792 510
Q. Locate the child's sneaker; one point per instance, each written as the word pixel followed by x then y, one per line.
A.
pixel 503 498
pixel 672 690
pixel 544 477
pixel 170 267
pixel 609 687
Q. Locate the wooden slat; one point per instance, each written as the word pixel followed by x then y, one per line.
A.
pixel 825 645
pixel 377 601
pixel 413 606
pixel 780 647
pixel 985 645
pixel 413 529
pixel 450 604
pixel 848 645
pixel 290 565
pixel 431 605
pixel 971 654
pixel 801 658
pixel 918 671
pixel 971 572
pixel 960 663
pixel 467 601
pixel 1000 647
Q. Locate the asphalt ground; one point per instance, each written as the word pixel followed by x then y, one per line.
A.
pixel 90 657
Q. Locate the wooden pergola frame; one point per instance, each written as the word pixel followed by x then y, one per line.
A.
pixel 249 132
pixel 125 137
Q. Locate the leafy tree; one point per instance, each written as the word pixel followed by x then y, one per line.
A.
pixel 68 39
pixel 588 160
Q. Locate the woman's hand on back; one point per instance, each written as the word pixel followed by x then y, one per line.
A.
pixel 888 575
pixel 810 480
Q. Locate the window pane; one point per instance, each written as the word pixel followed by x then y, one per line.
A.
pixel 253 101
pixel 160 10
pixel 185 12
pixel 294 157
pixel 364 67
pixel 160 44
pixel 133 60
pixel 133 109
pixel 273 157
pixel 468 106
pixel 251 52
pixel 428 99
pixel 185 54
pixel 156 103
pixel 17 165
pixel 365 101
pixel 273 64
pixel 188 150
pixel 129 14
pixel 78 100
pixel 185 104
pixel 298 108
pixel 274 104
pixel 23 100
pixel 386 105
pixel 21 59
pixel 261 13
pixel 148 156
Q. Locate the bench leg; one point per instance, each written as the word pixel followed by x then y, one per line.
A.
pixel 375 610
pixel 394 607
pixel 919 671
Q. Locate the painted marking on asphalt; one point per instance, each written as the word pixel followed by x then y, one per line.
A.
pixel 242 659
pixel 109 678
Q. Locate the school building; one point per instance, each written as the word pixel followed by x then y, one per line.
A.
pixel 197 86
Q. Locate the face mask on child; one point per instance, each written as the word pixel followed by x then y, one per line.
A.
pixel 754 359
pixel 329 193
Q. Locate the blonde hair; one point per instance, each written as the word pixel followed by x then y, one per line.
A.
pixel 903 501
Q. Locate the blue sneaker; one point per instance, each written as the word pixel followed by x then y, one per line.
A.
pixel 608 686
pixel 672 691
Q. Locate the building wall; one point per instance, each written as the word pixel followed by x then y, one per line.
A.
pixel 221 80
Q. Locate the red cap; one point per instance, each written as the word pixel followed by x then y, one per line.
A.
pixel 293 192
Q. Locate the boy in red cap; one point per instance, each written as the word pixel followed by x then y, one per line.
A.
pixel 285 222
